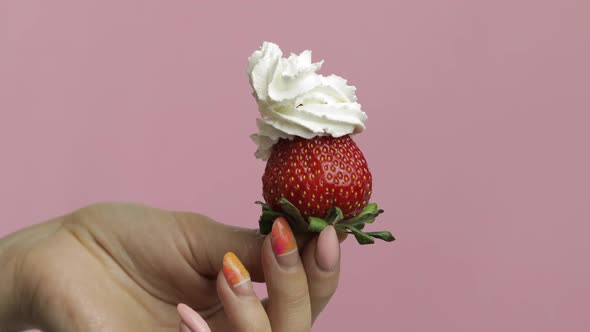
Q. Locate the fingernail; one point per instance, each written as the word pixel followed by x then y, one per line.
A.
pixel 283 243
pixel 327 252
pixel 236 274
pixel 191 320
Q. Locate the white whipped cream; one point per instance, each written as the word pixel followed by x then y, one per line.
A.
pixel 294 100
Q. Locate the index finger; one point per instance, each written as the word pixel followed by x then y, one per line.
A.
pixel 208 241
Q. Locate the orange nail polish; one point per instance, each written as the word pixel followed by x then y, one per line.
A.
pixel 234 271
pixel 282 238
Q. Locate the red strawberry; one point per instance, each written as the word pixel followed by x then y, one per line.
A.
pixel 319 182
pixel 317 174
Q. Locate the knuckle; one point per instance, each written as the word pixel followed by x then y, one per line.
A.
pixel 295 297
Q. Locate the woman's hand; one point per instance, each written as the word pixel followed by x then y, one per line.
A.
pixel 298 288
pixel 122 267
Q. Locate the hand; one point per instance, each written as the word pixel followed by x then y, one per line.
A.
pixel 122 267
pixel 294 297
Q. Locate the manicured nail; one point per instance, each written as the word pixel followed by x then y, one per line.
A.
pixel 327 252
pixel 283 243
pixel 236 274
pixel 191 320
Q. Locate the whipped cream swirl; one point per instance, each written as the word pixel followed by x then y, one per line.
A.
pixel 293 100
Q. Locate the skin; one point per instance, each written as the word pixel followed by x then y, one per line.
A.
pixel 125 267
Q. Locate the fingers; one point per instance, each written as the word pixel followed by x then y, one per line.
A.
pixel 243 311
pixel 191 321
pixel 289 306
pixel 321 260
pixel 242 307
pixel 298 288
pixel 208 242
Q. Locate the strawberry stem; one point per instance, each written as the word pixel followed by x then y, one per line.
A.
pixel 334 217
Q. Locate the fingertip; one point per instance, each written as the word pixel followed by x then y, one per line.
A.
pixel 322 264
pixel 191 319
pixel 327 252
pixel 241 306
pixel 236 275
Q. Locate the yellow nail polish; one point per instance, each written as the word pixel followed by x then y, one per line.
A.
pixel 234 271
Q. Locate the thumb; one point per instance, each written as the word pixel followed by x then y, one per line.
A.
pixel 209 240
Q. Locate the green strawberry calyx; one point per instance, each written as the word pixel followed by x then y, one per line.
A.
pixel 334 217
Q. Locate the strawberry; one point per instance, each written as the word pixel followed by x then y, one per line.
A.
pixel 319 181
pixel 317 174
pixel 322 179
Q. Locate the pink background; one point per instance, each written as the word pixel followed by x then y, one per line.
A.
pixel 478 138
